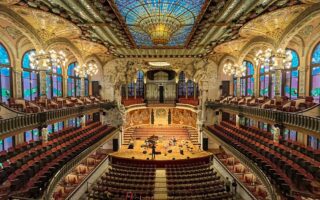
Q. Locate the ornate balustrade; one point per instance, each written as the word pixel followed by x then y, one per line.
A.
pixel 28 121
pixel 279 117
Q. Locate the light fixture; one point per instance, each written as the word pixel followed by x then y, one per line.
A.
pixel 160 28
pixel 89 69
pixel 44 60
pixel 273 59
pixel 231 69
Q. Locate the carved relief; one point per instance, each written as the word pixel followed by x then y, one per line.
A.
pixel 138 117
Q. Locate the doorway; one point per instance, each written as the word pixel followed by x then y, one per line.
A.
pixel 161 96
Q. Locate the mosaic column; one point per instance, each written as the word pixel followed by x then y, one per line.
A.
pixel 302 81
pixel 278 75
pixel 65 86
pixel 43 83
pixel 276 134
pixel 83 121
pixel 238 87
pixel 237 121
pixel 256 83
pixel 82 89
pixel 17 82
pixel 44 135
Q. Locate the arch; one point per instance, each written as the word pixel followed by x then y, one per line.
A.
pixel 301 21
pixel 5 75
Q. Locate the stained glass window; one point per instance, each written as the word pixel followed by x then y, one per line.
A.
pixel 139 16
pixel 5 75
pixel 291 77
pixel 31 135
pixel 290 135
pixel 131 89
pixel 234 86
pixel 247 81
pixel 315 74
pixel 140 84
pixel 30 79
pixel 266 81
pixel 313 142
pixel 86 87
pixel 54 82
pixel 73 81
pixel 182 85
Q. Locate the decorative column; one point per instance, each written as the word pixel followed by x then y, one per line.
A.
pixel 204 95
pixel 256 82
pixel 17 82
pixel 44 135
pixel 83 121
pixel 302 81
pixel 276 134
pixel 65 85
pixel 237 121
pixel 82 89
pixel 238 87
pixel 43 83
pixel 279 66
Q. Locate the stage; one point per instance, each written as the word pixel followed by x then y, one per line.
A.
pixel 183 149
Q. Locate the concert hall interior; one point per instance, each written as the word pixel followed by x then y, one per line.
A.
pixel 160 99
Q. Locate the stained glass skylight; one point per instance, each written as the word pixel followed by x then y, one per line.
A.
pixel 160 22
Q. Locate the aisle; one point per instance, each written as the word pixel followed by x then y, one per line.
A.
pixel 160 191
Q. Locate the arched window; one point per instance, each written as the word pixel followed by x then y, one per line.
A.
pixel 54 82
pixel 30 79
pixel 131 89
pixel 291 78
pixel 74 82
pixel 140 84
pixel 315 74
pixel 182 85
pixel 5 75
pixel 247 81
pixel 86 86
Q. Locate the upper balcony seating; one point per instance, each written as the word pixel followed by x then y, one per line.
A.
pixel 132 101
pixel 194 181
pixel 257 101
pixel 298 172
pixel 41 104
pixel 124 179
pixel 28 173
pixel 191 101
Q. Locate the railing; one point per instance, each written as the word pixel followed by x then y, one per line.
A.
pixel 71 164
pixel 242 186
pixel 38 119
pixel 279 117
pixel 248 163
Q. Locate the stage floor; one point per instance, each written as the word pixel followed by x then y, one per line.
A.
pixel 189 150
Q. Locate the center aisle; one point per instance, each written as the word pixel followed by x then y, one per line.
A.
pixel 160 190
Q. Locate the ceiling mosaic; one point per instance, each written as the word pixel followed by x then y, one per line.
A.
pixel 160 23
pixel 154 28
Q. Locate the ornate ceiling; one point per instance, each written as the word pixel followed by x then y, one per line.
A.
pixel 117 27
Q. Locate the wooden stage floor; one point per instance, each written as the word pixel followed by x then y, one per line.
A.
pixel 189 150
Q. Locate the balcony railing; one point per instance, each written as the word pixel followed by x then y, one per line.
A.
pixel 279 117
pixel 37 119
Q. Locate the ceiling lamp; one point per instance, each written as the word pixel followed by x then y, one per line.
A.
pixel 274 59
pixel 86 70
pixel 160 28
pixel 44 60
pixel 231 69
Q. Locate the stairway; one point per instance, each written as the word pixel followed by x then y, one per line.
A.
pixel 160 190
pixel 193 134
pixel 127 135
